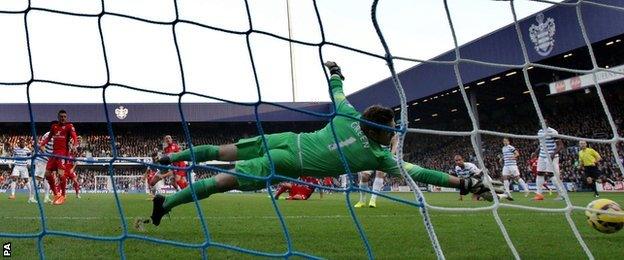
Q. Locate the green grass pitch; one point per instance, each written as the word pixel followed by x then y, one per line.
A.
pixel 321 227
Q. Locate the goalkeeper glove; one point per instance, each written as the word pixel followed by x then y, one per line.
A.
pixel 478 187
pixel 164 160
pixel 334 69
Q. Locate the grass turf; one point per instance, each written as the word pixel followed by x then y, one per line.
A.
pixel 320 227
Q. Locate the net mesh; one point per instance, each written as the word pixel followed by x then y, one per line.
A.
pixel 419 202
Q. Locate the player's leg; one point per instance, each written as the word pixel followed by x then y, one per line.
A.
pixel 244 149
pixel 344 180
pixel 554 167
pixel 31 190
pixel 506 174
pixel 378 184
pixel 76 185
pixel 519 180
pixel 71 175
pixel 284 161
pixel 14 178
pixel 542 169
pixel 63 184
pixel 590 178
pixel 180 179
pixel 40 170
pixel 539 185
pixel 282 187
pixel 363 178
pixel 50 175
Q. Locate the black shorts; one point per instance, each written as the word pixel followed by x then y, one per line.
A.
pixel 592 171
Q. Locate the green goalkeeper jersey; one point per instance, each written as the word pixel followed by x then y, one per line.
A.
pixel 319 151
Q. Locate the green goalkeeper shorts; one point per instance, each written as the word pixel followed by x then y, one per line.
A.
pixel 283 150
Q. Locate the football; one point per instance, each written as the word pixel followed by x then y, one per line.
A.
pixel 603 222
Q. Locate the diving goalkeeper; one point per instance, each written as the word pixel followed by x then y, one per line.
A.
pixel 310 154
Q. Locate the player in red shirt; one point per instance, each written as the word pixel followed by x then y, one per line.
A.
pixel 533 168
pixel 179 175
pixel 297 191
pixel 150 175
pixel 70 173
pixel 61 132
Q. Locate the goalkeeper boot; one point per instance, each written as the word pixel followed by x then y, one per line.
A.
pixel 12 197
pixel 158 211
pixel 359 204
pixel 372 204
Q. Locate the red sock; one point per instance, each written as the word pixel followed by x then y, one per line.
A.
pixel 76 186
pixel 63 184
pixel 52 183
pixel 279 191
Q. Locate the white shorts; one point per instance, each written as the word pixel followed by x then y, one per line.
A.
pixel 511 170
pixel 544 166
pixel 20 171
pixel 157 187
pixel 367 173
pixel 40 169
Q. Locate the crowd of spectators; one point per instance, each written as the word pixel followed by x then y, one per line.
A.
pixel 431 151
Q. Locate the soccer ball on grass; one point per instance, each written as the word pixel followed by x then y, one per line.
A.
pixel 605 223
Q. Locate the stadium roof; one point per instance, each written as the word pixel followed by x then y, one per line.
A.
pixel 502 46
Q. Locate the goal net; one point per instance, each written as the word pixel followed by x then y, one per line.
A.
pixel 174 23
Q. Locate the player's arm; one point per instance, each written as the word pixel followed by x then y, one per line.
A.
pixel 335 83
pixel 394 144
pixel 559 147
pixel 45 141
pixel 516 154
pixel 596 155
pixel 74 137
pixel 438 178
pixel 74 164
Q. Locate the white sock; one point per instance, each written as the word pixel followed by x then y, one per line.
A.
pixel 523 185
pixel 13 184
pixel 46 188
pixel 539 181
pixel 30 189
pixel 343 181
pixel 363 186
pixel 553 179
pixel 506 183
pixel 378 183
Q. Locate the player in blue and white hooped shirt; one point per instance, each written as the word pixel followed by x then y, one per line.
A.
pixel 40 168
pixel 549 146
pixel 466 170
pixel 20 169
pixel 510 168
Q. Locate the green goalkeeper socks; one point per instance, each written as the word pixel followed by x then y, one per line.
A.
pixel 203 189
pixel 202 153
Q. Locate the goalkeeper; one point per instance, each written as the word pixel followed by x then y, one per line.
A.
pixel 311 154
